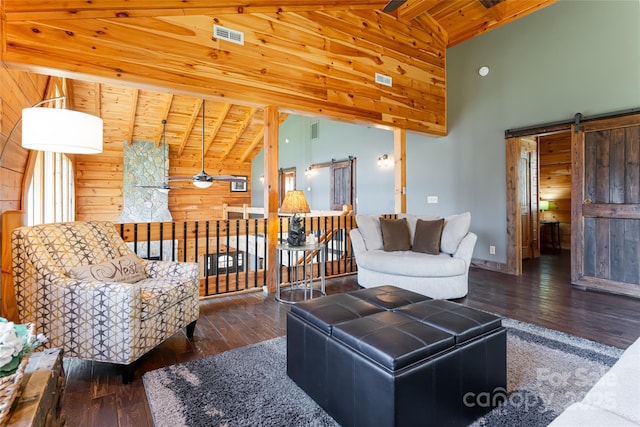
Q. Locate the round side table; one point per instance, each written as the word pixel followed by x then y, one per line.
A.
pixel 304 265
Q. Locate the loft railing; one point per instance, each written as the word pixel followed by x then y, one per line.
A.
pixel 232 252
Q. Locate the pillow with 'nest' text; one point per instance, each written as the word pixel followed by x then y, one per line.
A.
pixel 427 237
pixel 126 269
pixel 395 235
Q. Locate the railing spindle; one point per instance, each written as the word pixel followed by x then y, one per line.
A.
pixel 173 241
pixel 184 234
pixel 148 240
pixel 207 260
pixel 229 247
pixel 135 238
pixel 216 257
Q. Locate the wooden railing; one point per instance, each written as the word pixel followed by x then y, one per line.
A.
pixel 232 252
pixel 245 211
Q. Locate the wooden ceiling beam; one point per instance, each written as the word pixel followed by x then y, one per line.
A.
pixel 413 8
pixel 498 11
pixel 132 115
pixel 432 27
pixel 484 19
pixel 67 90
pixel 222 116
pixel 97 95
pixel 254 143
pixel 166 106
pixel 40 10
pixel 190 125
pixel 243 126
pixel 258 139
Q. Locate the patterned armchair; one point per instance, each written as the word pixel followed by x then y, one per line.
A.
pixel 106 321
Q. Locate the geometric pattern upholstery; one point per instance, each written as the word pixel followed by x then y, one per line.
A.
pixel 103 321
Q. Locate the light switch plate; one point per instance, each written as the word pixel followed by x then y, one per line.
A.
pixel 432 199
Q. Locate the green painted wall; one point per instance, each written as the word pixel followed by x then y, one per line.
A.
pixel 573 56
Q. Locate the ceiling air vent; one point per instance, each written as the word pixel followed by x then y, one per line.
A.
pixel 384 80
pixel 315 130
pixel 228 34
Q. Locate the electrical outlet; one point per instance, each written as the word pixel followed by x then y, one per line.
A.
pixel 432 199
pixel 492 250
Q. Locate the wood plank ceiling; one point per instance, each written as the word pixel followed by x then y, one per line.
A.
pixel 134 107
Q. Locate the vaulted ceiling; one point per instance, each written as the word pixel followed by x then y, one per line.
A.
pixel 137 63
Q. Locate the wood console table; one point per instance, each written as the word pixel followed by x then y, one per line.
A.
pixel 41 392
pixel 554 233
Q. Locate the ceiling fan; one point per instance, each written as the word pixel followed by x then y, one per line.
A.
pixel 203 179
pixel 393 5
pixel 164 187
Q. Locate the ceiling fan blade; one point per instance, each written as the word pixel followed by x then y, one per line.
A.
pixel 229 178
pixel 393 5
pixel 164 186
pixel 180 178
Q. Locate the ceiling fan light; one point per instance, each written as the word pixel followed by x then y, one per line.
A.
pixel 202 184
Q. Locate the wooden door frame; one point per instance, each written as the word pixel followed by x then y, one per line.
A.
pixel 514 212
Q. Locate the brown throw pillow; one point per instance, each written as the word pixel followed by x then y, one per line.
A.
pixel 126 269
pixel 427 237
pixel 395 234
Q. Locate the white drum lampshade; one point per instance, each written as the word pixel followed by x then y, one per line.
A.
pixel 61 130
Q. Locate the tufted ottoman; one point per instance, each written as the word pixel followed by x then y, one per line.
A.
pixel 389 357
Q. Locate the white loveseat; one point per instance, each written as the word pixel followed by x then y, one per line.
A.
pixel 613 401
pixel 442 276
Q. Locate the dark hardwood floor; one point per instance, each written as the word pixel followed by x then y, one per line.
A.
pixel 95 395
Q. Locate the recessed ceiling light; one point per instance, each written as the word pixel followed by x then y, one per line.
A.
pixel 483 71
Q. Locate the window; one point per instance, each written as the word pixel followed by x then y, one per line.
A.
pixel 51 195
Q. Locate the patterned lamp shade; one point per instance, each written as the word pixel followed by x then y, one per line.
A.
pixel 295 202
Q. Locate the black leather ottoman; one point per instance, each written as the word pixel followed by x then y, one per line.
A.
pixel 389 357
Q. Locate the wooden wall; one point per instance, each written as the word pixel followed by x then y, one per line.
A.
pixel 99 177
pixel 319 62
pixel 18 90
pixel 555 184
pixel 99 186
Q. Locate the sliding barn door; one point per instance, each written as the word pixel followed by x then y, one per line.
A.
pixel 606 205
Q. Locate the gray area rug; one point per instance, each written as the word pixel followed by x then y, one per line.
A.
pixel 248 386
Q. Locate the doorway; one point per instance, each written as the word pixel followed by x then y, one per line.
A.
pixel 286 181
pixel 538 195
pixel 528 183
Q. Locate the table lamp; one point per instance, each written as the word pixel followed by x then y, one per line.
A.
pixel 543 205
pixel 295 203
